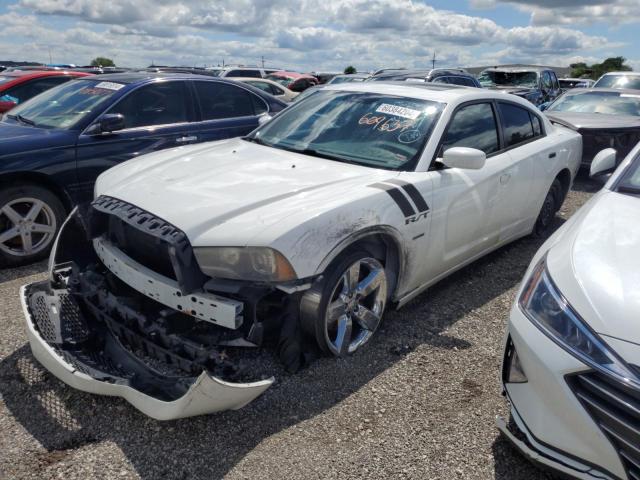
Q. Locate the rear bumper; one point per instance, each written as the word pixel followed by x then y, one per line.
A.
pixel 105 367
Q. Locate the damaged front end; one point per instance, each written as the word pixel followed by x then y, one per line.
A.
pixel 127 312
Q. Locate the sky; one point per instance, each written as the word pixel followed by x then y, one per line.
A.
pixel 320 35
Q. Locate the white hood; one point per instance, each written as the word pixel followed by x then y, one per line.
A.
pixel 233 185
pixel 602 281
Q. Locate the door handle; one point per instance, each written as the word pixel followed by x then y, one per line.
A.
pixel 552 155
pixel 191 138
pixel 504 178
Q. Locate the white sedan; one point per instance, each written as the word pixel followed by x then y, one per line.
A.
pixel 572 351
pixel 298 236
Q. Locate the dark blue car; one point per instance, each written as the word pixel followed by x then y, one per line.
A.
pixel 54 146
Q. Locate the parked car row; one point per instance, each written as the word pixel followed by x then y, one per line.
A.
pixel 224 220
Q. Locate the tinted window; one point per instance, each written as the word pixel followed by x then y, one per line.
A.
pixel 29 89
pixel 473 126
pixel 537 125
pixel 546 81
pixel 219 100
pixel 516 123
pixel 244 73
pixel 264 86
pixel 160 103
pixel 276 90
pixel 554 80
pixel 259 105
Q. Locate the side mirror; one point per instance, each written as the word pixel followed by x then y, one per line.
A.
pixel 465 158
pixel 604 162
pixel 110 122
pixel 543 106
pixel 264 118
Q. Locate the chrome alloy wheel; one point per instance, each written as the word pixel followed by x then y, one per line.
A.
pixel 27 226
pixel 356 306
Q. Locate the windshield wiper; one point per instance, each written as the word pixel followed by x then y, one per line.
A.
pixel 629 189
pixel 259 141
pixel 316 153
pixel 22 119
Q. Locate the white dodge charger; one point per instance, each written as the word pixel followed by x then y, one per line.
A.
pixel 572 359
pixel 298 236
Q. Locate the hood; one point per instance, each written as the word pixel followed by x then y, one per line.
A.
pixel 519 91
pixel 16 138
pixel 233 183
pixel 593 121
pixel 602 281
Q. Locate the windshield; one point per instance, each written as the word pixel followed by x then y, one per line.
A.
pixel 630 181
pixel 369 129
pixel 618 81
pixel 340 79
pixel 66 105
pixel 606 103
pixel 285 82
pixel 508 79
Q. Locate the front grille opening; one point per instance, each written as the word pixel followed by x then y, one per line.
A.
pixel 615 408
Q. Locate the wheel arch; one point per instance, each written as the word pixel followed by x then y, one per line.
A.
pixel 40 179
pixel 564 176
pixel 384 242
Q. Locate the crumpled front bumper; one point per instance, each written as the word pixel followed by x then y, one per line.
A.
pixel 205 394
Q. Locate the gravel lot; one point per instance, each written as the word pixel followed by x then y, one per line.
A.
pixel 418 402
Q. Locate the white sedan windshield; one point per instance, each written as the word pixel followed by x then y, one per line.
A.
pixel 371 129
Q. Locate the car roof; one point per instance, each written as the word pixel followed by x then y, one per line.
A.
pixel 437 92
pixel 42 73
pixel 517 69
pixel 134 77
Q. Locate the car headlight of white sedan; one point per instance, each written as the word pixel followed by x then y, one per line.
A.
pixel 546 307
pixel 258 264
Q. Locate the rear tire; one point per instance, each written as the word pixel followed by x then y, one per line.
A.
pixel 551 205
pixel 30 217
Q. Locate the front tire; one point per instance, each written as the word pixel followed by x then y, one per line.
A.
pixel 30 217
pixel 344 310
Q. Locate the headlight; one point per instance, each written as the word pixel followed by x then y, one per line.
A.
pixel 544 305
pixel 259 264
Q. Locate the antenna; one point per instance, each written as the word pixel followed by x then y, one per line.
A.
pixel 433 62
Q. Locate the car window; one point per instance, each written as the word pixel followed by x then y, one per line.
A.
pixel 276 90
pixel 30 89
pixel 516 123
pixel 546 81
pixel 554 80
pixel 160 103
pixel 473 126
pixel 244 73
pixel 264 86
pixel 220 100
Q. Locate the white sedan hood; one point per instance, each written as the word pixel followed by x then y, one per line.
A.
pixel 603 248
pixel 235 188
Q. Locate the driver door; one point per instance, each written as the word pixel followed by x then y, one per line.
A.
pixel 465 223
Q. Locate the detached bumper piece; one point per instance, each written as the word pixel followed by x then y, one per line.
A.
pixel 82 339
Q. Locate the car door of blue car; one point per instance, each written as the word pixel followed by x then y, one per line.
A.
pixel 158 115
pixel 226 110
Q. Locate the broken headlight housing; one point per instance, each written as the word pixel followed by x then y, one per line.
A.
pixel 546 307
pixel 258 264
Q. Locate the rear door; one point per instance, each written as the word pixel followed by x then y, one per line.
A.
pixel 156 115
pixel 226 110
pixel 525 142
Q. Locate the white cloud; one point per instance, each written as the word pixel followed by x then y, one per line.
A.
pixel 305 34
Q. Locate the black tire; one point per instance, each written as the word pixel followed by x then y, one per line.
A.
pixel 314 304
pixel 14 251
pixel 550 206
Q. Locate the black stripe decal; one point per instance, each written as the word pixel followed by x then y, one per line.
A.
pixel 398 197
pixel 413 193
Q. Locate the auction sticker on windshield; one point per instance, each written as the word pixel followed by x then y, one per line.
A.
pixel 398 111
pixel 110 85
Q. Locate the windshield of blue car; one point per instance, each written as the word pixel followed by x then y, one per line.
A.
pixel 369 129
pixel 618 81
pixel 605 103
pixel 66 105
pixel 508 79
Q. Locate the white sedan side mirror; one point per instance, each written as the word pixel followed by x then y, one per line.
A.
pixel 464 157
pixel 603 162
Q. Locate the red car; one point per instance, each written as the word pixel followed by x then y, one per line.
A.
pixel 294 81
pixel 18 86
